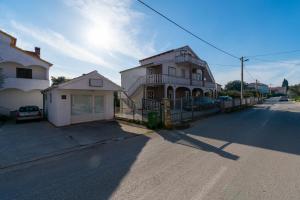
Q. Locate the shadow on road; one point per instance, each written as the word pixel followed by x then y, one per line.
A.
pixel 184 139
pixel 91 173
pixel 272 129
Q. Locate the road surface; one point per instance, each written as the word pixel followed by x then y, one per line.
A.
pixel 253 154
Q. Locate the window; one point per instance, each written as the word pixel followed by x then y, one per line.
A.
pixel 172 71
pixel 150 71
pixel 81 104
pixel 99 104
pixel 24 73
pixel 64 97
pixel 150 94
pixel 183 73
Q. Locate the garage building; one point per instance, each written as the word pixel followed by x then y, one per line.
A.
pixel 89 97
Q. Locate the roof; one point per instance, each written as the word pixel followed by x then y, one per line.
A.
pixel 140 66
pixel 156 55
pixel 30 53
pixel 79 78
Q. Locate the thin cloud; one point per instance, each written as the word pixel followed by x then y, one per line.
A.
pixel 266 72
pixel 113 26
pixel 58 42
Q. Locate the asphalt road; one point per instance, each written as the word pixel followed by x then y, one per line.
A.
pixel 253 154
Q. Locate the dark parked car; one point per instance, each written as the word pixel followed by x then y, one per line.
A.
pixel 200 103
pixel 223 98
pixel 28 113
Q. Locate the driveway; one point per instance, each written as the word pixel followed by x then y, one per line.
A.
pixel 33 140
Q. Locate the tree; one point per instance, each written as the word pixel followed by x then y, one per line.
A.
pixel 294 90
pixel 58 80
pixel 285 83
pixel 234 85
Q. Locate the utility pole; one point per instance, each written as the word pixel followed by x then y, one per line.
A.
pixel 242 76
pixel 256 87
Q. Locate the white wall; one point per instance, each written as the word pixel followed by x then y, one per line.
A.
pixel 12 99
pixel 129 77
pixel 9 70
pixel 59 111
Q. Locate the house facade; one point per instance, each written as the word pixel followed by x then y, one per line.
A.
pixel 172 74
pixel 259 87
pixel 279 90
pixel 89 97
pixel 23 74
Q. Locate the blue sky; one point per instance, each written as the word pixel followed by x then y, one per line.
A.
pixel 79 36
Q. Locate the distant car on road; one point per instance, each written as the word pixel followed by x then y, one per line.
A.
pixel 28 113
pixel 223 98
pixel 284 98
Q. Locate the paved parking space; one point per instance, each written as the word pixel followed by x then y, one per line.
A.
pixel 30 140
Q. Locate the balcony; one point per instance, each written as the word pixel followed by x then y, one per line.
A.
pixel 210 85
pixel 181 59
pixel 161 79
pixel 25 84
pixel 166 79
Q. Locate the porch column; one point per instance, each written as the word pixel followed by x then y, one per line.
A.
pixel 174 97
pixel 165 91
pixel 203 80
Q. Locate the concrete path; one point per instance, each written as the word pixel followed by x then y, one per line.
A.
pixel 25 142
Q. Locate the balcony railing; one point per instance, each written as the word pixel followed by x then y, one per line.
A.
pixel 189 59
pixel 166 79
pixel 210 85
pixel 159 79
pixel 25 84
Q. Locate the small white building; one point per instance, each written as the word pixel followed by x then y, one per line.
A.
pixel 23 74
pixel 89 97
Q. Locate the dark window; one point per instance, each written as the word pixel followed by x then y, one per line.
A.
pixel 24 73
pixel 63 96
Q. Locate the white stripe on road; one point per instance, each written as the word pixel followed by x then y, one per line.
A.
pixel 210 184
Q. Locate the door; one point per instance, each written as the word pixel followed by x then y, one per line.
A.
pixel 87 108
pixel 99 108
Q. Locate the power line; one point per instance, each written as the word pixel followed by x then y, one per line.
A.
pixel 250 74
pixel 269 61
pixel 274 53
pixel 188 31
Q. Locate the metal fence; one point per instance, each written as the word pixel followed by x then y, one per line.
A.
pixel 191 108
pixel 182 109
pixel 126 109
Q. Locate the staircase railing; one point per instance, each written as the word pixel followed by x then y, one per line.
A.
pixel 140 81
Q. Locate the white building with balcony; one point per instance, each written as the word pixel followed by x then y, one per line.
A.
pixel 172 74
pixel 23 74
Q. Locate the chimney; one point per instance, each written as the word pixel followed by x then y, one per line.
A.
pixel 37 51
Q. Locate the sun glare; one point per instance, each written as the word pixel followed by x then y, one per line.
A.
pixel 100 37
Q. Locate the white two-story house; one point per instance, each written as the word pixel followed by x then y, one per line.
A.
pixel 23 74
pixel 172 74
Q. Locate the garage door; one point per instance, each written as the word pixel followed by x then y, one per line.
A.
pixel 87 108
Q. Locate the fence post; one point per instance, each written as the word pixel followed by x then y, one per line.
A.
pixel 167 121
pixel 181 105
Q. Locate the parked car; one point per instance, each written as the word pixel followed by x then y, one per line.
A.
pixel 284 98
pixel 28 113
pixel 200 103
pixel 223 98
